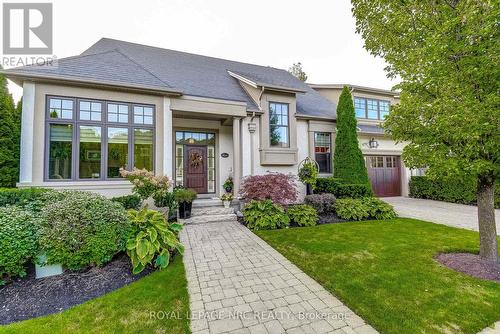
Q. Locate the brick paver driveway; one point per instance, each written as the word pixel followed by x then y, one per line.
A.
pixel 239 284
pixel 451 214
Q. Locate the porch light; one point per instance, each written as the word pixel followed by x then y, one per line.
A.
pixel 373 143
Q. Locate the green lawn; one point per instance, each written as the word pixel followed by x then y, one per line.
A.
pixel 126 310
pixel 385 272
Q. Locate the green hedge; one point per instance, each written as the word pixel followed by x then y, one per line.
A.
pixel 340 189
pixel 454 191
pixel 128 201
pixel 20 196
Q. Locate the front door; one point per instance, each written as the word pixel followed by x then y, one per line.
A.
pixel 195 168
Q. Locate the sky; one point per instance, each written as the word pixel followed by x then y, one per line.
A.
pixel 318 33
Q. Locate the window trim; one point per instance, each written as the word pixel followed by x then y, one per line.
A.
pixel 330 153
pixel 104 124
pixel 287 126
pixel 366 107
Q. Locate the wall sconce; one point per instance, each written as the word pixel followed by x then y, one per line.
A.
pixel 373 143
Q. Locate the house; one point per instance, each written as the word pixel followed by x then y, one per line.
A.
pixel 197 119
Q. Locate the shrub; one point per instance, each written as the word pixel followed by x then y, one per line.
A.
pixel 18 241
pixel 185 195
pixel 351 209
pixel 379 209
pixel 323 203
pixel 82 229
pixel 22 196
pixel 151 237
pixel 278 187
pixel 166 199
pixel 265 215
pixel 341 189
pixel 303 215
pixel 363 208
pixel 451 190
pixel 128 201
pixel 349 164
pixel 145 182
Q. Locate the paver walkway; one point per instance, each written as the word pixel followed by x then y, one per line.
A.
pixel 451 214
pixel 239 284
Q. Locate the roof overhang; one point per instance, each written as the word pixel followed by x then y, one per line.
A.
pixel 357 88
pixel 266 86
pixel 18 77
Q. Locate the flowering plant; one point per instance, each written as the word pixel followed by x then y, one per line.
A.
pixel 145 182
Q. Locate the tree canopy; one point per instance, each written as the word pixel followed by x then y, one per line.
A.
pixel 447 55
pixel 297 71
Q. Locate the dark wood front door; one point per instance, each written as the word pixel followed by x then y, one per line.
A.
pixel 385 175
pixel 195 168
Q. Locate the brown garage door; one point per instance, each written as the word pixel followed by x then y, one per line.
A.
pixel 385 175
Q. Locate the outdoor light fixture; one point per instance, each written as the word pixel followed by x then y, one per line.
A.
pixel 373 143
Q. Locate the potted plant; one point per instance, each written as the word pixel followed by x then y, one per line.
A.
pixel 226 199
pixel 164 202
pixel 184 198
pixel 308 172
pixel 228 184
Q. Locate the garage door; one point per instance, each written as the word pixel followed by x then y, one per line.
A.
pixel 385 175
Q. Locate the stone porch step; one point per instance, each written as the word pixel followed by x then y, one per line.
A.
pixel 211 211
pixel 209 219
pixel 207 202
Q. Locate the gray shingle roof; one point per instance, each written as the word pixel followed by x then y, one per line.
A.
pixel 122 62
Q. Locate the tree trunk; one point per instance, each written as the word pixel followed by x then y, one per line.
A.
pixel 486 217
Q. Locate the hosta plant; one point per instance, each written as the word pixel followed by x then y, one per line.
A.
pixel 303 215
pixel 265 215
pixel 152 238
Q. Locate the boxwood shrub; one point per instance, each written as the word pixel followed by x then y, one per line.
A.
pixel 128 201
pixel 81 229
pixel 18 241
pixel 450 190
pixel 22 196
pixel 341 189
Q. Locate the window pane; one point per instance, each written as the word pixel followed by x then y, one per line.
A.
pixel 84 105
pixel 117 151
pixel 372 109
pixel 324 162
pixel 67 104
pixel 360 107
pixel 278 119
pixel 384 109
pixel 90 152
pixel 112 108
pixel 59 108
pixel 143 149
pixel 60 151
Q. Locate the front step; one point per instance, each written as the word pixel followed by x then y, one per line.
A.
pixel 209 202
pixel 209 219
pixel 210 211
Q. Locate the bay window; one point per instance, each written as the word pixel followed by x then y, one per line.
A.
pixel 91 139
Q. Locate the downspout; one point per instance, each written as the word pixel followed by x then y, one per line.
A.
pixel 252 127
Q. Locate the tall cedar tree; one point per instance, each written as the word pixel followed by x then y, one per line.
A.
pixel 349 164
pixel 446 54
pixel 10 124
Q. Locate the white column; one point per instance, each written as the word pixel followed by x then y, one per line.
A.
pixel 27 128
pixel 236 155
pixel 167 139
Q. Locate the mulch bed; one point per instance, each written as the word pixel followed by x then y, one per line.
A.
pixel 470 264
pixel 28 297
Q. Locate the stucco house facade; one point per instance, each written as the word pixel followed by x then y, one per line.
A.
pixel 194 118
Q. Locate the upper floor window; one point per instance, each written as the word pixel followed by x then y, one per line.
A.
pixel 323 151
pixel 278 121
pixel 97 143
pixel 371 108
